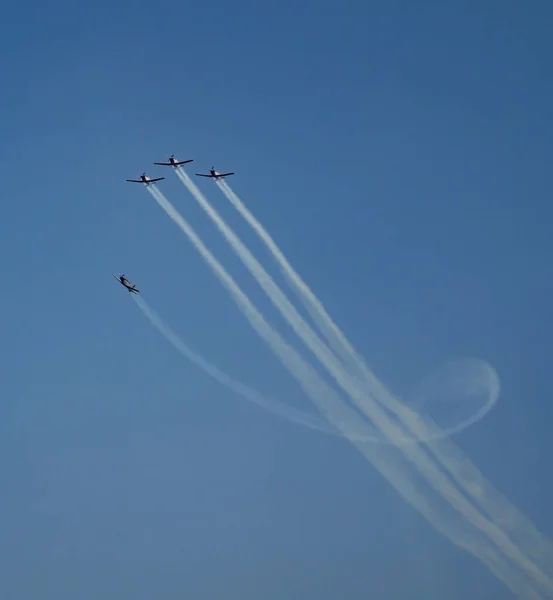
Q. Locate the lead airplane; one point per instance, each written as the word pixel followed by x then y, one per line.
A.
pixel 127 284
pixel 174 163
pixel 214 174
pixel 145 179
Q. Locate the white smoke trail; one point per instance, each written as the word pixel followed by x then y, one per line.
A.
pixel 342 416
pixel 502 512
pixel 404 486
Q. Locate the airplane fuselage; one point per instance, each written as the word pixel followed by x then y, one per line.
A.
pixel 126 284
pixel 146 180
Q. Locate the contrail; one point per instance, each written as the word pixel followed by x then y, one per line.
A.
pixel 378 391
pixel 467 475
pixel 342 416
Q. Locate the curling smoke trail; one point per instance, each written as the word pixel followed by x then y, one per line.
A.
pixel 502 512
pixel 343 417
pixel 404 486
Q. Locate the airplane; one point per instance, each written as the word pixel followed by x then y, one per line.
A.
pixel 145 179
pixel 214 174
pixel 127 284
pixel 174 163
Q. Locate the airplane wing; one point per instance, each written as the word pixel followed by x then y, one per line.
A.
pixel 176 164
pixel 219 176
pixel 158 179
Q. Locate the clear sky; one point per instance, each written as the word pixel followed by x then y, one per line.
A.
pixel 399 152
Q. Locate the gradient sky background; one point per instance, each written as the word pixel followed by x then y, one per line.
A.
pixel 399 152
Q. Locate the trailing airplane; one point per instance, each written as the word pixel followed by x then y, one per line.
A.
pixel 145 179
pixel 127 284
pixel 174 163
pixel 214 174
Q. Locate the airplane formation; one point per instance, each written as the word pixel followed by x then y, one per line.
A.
pixel 145 180
pixel 175 163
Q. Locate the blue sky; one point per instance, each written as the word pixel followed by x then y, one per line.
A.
pixel 398 152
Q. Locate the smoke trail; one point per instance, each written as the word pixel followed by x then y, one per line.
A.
pixel 342 416
pixel 415 454
pixel 467 475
